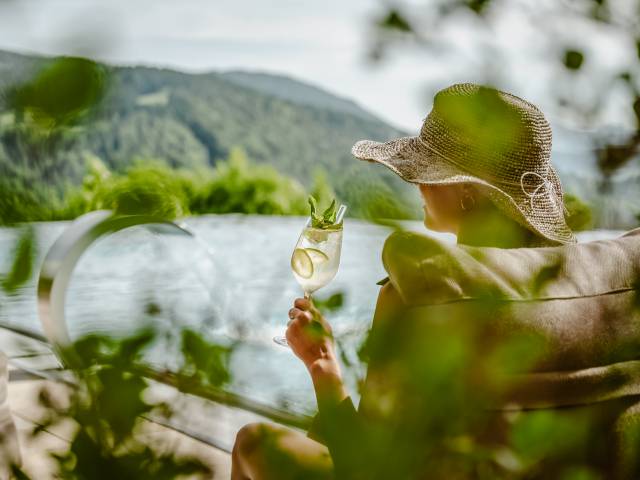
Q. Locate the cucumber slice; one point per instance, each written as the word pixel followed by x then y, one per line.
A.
pixel 301 263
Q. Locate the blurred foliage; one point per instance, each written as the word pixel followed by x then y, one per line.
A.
pixel 395 21
pixel 23 257
pixel 330 304
pixel 321 188
pixel 492 128
pixel 546 275
pixel 233 186
pixel 205 363
pixel 573 59
pixel 108 400
pixel 579 215
pixel 60 94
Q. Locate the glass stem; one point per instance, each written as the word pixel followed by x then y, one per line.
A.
pixel 307 296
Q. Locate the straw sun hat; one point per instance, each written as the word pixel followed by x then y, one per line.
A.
pixel 495 140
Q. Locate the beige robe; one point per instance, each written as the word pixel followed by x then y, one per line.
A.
pixel 577 304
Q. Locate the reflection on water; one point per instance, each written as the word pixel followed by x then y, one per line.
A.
pixel 233 284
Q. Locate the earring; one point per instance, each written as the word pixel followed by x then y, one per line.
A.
pixel 467 202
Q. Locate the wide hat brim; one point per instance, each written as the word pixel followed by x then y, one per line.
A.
pixel 538 209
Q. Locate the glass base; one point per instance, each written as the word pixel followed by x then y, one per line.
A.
pixel 282 341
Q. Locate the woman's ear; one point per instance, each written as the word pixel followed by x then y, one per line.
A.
pixel 468 197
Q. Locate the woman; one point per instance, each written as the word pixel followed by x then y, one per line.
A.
pixel 482 165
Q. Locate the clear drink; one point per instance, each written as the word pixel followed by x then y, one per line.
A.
pixel 316 258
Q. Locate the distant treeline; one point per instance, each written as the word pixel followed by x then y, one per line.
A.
pixel 234 185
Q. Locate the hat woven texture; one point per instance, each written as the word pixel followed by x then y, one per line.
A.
pixel 495 140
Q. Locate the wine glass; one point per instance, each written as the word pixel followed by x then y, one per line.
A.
pixel 316 258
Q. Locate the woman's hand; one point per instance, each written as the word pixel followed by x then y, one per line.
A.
pixel 308 333
pixel 310 338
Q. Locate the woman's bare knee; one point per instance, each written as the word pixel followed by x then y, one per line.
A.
pixel 265 451
pixel 248 455
pixel 249 438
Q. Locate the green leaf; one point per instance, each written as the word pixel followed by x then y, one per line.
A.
pixel 205 362
pixel 329 214
pixel 625 76
pixel 130 348
pixel 334 302
pixel 313 205
pixel 573 59
pixel 547 274
pixel 62 92
pixel 22 267
pixel 18 474
pixel 479 7
pixel 395 21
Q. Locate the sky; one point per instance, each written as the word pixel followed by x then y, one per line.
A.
pixel 321 42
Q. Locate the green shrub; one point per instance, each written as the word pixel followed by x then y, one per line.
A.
pixel 238 186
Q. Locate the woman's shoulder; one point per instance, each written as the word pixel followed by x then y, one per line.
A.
pixel 410 248
pixel 427 271
pixel 418 265
pixel 402 239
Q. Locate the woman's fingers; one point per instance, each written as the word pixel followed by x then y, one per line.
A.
pixel 302 316
pixel 302 303
pixel 305 306
pixel 297 325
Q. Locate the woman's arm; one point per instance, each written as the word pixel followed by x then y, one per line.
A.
pixel 337 424
pixel 311 339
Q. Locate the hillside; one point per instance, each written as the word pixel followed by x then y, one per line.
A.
pixel 297 92
pixel 192 120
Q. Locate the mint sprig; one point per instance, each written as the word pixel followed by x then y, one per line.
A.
pixel 325 220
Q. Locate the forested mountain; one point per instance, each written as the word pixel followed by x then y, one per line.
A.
pixel 193 120
pixel 297 92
